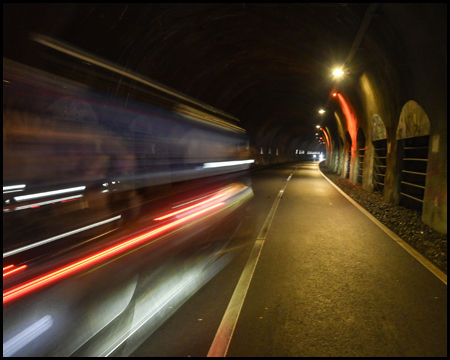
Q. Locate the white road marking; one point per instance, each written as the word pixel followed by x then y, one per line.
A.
pixel 221 342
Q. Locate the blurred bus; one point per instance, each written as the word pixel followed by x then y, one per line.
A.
pixel 120 196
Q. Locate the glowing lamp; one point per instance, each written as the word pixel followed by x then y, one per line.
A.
pixel 338 72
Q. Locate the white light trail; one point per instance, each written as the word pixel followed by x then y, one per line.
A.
pixel 227 163
pixel 48 193
pixel 39 243
pixel 44 203
pixel 27 335
pixel 13 187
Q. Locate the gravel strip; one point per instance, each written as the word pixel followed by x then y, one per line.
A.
pixel 405 222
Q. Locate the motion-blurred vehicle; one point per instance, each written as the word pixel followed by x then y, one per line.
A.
pixel 120 200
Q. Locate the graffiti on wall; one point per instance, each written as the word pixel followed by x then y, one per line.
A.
pixel 413 121
pixel 378 128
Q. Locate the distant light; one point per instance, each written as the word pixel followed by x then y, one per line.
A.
pixel 334 94
pixel 338 72
pixel 318 126
pixel 321 111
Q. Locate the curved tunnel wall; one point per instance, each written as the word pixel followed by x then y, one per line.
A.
pixel 407 69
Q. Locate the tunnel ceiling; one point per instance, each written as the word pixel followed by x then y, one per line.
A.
pixel 267 64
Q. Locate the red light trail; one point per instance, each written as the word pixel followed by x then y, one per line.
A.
pixel 190 207
pixel 12 271
pixel 53 276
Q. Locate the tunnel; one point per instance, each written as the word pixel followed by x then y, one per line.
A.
pixel 271 66
pixel 361 85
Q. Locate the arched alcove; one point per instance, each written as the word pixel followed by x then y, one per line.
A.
pixel 360 154
pixel 341 156
pixel 347 155
pixel 335 155
pixel 413 135
pixel 379 143
pixel 413 121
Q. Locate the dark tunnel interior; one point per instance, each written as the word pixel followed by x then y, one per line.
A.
pixel 137 139
pixel 270 66
pixel 267 64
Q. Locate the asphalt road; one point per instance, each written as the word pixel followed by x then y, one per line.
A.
pixel 328 282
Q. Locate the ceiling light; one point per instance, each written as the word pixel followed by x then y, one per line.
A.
pixel 338 72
